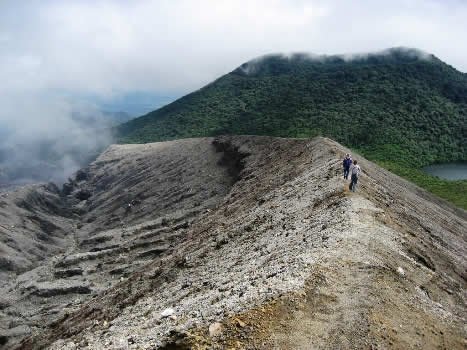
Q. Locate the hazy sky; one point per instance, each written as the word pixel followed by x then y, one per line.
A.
pixel 54 52
pixel 105 47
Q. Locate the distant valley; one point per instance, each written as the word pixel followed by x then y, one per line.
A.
pixel 79 135
pixel 55 156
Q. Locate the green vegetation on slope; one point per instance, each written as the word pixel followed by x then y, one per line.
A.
pixel 398 107
pixel 454 191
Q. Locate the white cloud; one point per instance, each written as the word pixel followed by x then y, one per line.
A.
pixel 103 46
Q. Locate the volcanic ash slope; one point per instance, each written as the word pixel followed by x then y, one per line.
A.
pixel 265 248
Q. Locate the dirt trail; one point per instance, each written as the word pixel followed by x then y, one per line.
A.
pixel 354 298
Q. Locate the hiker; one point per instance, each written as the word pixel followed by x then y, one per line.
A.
pixel 354 172
pixel 346 164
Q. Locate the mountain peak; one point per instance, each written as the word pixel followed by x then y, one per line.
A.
pixel 410 100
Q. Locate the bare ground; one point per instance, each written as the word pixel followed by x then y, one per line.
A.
pixel 255 243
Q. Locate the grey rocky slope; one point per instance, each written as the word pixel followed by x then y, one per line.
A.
pixel 248 242
pixel 35 222
pixel 58 249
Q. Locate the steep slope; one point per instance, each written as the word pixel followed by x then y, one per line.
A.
pixel 414 104
pixel 270 252
pixel 59 249
pixel 35 223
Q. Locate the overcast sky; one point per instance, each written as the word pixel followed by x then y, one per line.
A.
pixel 107 47
pixel 57 56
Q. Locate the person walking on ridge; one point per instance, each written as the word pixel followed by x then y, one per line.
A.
pixel 354 173
pixel 346 164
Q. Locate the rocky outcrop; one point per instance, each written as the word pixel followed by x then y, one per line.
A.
pixel 244 242
pixel 50 289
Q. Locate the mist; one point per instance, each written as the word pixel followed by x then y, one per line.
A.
pixel 253 67
pixel 46 138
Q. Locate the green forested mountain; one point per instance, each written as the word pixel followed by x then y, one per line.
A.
pixel 401 107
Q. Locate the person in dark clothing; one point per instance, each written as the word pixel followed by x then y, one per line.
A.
pixel 346 164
